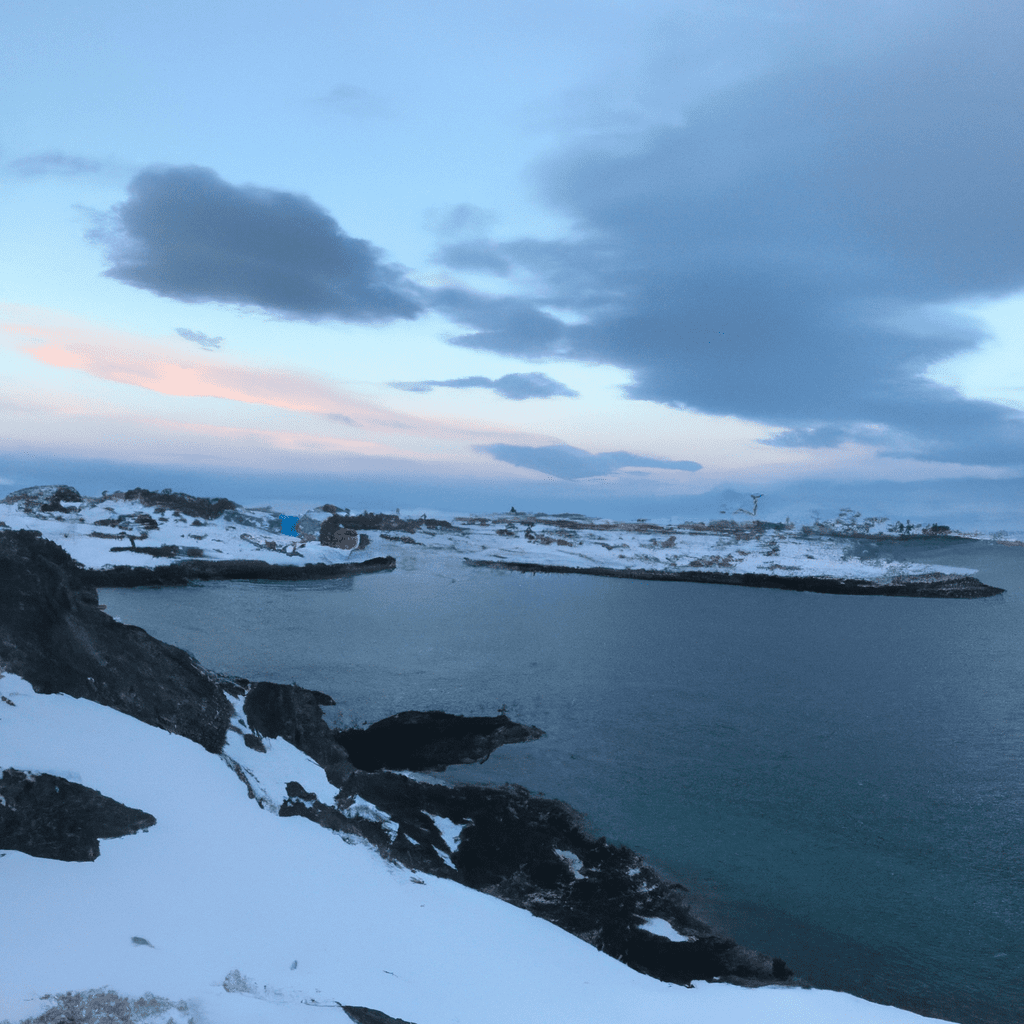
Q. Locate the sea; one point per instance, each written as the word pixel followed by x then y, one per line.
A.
pixel 837 780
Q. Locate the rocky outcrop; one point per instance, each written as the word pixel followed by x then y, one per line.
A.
pixel 292 713
pixel 44 498
pixel 175 501
pixel 411 740
pixel 934 585
pixel 420 740
pixel 334 535
pixel 202 570
pixel 535 853
pixel 364 1015
pixel 53 634
pixel 47 816
pixel 528 850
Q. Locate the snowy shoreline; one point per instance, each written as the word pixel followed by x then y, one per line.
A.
pixel 238 902
pixel 161 538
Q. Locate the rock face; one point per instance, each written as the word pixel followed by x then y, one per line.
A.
pixel 534 853
pixel 293 714
pixel 53 634
pixel 47 816
pixel 196 570
pixel 419 740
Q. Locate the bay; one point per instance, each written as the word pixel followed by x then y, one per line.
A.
pixel 837 780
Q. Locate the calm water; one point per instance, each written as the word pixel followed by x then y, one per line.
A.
pixel 838 780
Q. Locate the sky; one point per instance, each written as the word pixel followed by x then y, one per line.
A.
pixel 616 255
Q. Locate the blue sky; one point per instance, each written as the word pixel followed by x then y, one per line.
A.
pixel 614 253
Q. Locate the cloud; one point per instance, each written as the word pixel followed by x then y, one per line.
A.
pixel 460 219
pixel 186 234
pixel 475 255
pixel 38 165
pixel 502 323
pixel 568 463
pixel 776 256
pixel 515 386
pixel 203 340
pixel 139 361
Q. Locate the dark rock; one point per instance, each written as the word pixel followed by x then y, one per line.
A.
pixel 53 634
pixel 293 714
pixel 364 1015
pixel 386 521
pixel 175 501
pixel 196 571
pixel 44 498
pixel 47 816
pixel 936 585
pixel 334 535
pixel 418 740
pixel 535 853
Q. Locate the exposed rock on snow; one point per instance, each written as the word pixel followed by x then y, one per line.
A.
pixel 53 633
pixel 364 1015
pixel 513 845
pixel 46 816
pixel 292 713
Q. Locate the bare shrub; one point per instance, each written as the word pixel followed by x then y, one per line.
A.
pixel 104 1006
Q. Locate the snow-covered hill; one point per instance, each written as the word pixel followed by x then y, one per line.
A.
pixel 252 917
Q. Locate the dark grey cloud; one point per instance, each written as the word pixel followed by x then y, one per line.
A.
pixel 204 340
pixel 568 463
pixel 39 165
pixel 501 323
pixel 187 234
pixel 516 386
pixel 774 256
pixel 475 255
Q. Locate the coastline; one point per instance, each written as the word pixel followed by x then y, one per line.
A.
pixel 195 570
pixel 452 835
pixel 949 586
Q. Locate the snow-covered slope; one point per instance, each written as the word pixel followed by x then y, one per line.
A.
pixel 139 528
pixel 222 894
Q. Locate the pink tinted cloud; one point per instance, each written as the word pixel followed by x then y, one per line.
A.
pixel 169 374
pixel 141 362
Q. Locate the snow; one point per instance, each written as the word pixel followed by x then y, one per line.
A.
pixel 572 862
pixel 659 926
pixel 579 542
pixel 221 885
pixel 360 808
pixel 450 831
